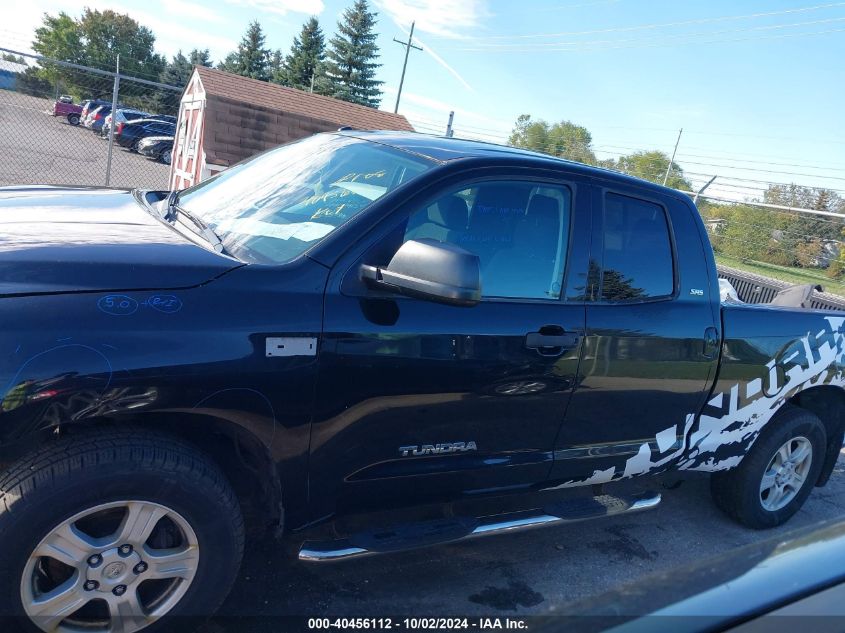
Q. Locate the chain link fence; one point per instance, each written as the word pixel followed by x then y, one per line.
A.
pixel 66 124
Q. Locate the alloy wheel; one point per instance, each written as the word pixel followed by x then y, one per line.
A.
pixel 115 567
pixel 786 473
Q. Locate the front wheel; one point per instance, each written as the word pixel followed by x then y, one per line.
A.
pixel 73 119
pixel 116 532
pixel 777 475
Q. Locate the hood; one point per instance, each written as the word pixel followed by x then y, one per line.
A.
pixel 65 239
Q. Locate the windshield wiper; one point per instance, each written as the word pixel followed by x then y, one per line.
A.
pixel 174 210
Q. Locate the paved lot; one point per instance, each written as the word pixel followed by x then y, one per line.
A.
pixel 532 573
pixel 41 149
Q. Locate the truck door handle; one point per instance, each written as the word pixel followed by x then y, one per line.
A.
pixel 551 341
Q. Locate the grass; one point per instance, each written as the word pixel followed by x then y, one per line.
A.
pixel 785 273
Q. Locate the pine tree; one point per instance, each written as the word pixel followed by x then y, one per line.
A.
pixel 230 63
pixel 306 56
pixel 350 64
pixel 251 59
pixel 178 71
pixel 200 57
pixel 276 68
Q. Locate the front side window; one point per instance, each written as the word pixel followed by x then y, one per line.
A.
pixel 519 230
pixel 637 259
pixel 273 207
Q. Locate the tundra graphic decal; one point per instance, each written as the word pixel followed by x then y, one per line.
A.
pixel 724 436
pixel 732 420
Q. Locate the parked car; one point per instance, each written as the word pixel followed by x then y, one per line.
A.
pixel 96 117
pixel 158 147
pixel 367 322
pixel 67 109
pixel 129 134
pixel 163 117
pixel 89 105
pixel 123 115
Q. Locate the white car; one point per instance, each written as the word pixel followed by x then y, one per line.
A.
pixel 122 116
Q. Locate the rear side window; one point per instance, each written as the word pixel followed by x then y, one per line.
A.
pixel 637 260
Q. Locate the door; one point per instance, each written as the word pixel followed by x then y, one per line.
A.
pixel 419 399
pixel 648 359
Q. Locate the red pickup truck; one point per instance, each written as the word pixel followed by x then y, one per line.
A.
pixel 65 107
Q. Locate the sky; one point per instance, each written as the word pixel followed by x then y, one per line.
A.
pixel 758 86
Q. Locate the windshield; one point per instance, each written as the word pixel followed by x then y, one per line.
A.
pixel 278 204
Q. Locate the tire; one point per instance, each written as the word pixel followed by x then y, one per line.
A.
pixel 92 485
pixel 73 119
pixel 741 492
pixel 166 156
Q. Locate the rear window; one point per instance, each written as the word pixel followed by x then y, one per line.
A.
pixel 637 262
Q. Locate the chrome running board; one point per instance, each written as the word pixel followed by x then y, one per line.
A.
pixel 423 534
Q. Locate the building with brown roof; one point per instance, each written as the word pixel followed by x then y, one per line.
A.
pixel 225 118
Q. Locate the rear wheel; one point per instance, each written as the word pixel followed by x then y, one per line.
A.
pixel 166 156
pixel 73 119
pixel 778 474
pixel 116 532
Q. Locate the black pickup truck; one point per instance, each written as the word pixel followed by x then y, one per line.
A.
pixel 385 340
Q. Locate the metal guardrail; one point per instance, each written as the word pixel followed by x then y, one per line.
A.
pixel 753 288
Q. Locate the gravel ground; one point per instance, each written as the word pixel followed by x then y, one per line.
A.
pixel 537 572
pixel 41 149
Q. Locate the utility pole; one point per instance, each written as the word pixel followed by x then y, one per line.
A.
pixel 408 46
pixel 672 160
pixel 449 131
pixel 700 191
pixel 312 83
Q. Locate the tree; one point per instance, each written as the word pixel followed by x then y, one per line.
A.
pixel 805 234
pixel 276 68
pixel 305 57
pixel 200 57
pixel 107 34
pixel 350 61
pixel 251 59
pixel 9 57
pixel 652 166
pixel 751 234
pixel 230 63
pixel 60 37
pixel 96 39
pixel 563 139
pixel 178 71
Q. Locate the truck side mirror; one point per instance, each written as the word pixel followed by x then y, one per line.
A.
pixel 431 270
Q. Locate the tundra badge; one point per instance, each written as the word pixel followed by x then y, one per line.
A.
pixel 437 449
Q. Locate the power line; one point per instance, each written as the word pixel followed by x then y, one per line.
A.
pixel 667 24
pixel 494 133
pixel 576 47
pixel 728 158
pixel 767 205
pixel 540 46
